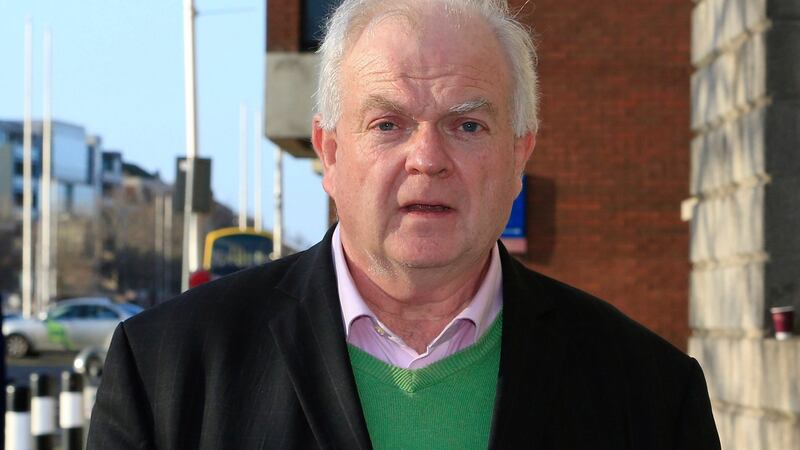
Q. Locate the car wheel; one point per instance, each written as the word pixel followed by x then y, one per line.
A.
pixel 17 346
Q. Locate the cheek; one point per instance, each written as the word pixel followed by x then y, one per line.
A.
pixel 362 182
pixel 495 192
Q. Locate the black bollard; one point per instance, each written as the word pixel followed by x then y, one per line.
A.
pixel 43 411
pixel 18 418
pixel 71 411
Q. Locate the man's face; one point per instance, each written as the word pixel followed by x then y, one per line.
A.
pixel 423 164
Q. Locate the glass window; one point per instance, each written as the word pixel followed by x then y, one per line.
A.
pixel 68 312
pixel 239 251
pixel 18 197
pixel 70 154
pixel 101 312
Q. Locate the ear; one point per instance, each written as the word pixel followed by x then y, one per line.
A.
pixel 325 147
pixel 523 147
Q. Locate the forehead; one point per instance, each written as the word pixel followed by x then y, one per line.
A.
pixel 429 53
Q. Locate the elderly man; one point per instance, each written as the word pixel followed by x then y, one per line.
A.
pixel 408 326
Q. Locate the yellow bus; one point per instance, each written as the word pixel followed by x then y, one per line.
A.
pixel 228 250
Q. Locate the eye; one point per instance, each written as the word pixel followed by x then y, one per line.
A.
pixel 470 127
pixel 387 126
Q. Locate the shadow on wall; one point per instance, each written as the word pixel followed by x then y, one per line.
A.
pixel 541 218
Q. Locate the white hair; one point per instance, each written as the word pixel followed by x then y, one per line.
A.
pixel 353 16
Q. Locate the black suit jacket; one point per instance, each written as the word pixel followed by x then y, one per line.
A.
pixel 258 360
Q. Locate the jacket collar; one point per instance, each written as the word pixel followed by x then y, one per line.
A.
pixel 311 338
pixel 532 352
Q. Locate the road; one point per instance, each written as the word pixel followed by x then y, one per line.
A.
pixel 53 363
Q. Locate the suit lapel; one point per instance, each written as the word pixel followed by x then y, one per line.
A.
pixel 310 336
pixel 532 352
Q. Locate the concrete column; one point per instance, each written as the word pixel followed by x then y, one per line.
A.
pixel 745 215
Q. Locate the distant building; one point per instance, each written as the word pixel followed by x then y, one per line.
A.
pixel 142 230
pixel 140 245
pixel 74 204
pixel 110 171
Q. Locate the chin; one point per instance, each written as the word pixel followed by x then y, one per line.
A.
pixel 423 263
pixel 425 259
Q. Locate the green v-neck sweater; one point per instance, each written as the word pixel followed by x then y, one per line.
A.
pixel 447 405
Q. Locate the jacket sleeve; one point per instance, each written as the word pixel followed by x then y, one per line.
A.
pixel 696 427
pixel 122 417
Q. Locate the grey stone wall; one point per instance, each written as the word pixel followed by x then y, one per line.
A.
pixel 745 222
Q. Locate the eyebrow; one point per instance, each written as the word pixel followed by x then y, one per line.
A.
pixel 473 105
pixel 382 103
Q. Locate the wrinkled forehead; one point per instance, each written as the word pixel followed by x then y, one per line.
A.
pixel 419 17
pixel 426 50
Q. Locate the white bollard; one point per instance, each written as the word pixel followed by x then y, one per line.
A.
pixel 18 418
pixel 71 411
pixel 43 411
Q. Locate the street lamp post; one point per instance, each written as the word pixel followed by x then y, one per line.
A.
pixel 190 232
pixel 27 181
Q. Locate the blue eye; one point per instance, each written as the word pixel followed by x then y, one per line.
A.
pixel 470 127
pixel 386 126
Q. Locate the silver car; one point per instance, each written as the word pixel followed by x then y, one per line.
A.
pixel 72 325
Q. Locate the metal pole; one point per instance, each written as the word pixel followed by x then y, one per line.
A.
pixel 45 182
pixel 27 174
pixel 257 170
pixel 277 232
pixel 242 167
pixel 54 254
pixel 190 93
pixel 158 249
pixel 168 245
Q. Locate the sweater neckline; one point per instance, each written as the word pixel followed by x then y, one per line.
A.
pixel 413 380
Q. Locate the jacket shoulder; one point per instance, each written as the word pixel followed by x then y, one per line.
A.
pixel 594 321
pixel 221 312
pixel 230 292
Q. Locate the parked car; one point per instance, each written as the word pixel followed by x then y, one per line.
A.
pixel 72 325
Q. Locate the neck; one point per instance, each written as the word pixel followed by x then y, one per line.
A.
pixel 416 304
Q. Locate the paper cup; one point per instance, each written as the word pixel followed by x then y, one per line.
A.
pixel 783 319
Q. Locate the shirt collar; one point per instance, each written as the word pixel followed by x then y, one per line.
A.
pixel 480 311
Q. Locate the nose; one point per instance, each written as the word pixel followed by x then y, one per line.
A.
pixel 428 154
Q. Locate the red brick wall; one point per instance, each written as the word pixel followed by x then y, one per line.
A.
pixel 611 164
pixel 283 25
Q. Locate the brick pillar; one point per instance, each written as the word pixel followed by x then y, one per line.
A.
pixel 745 207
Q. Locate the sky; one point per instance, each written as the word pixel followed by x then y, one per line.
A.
pixel 118 72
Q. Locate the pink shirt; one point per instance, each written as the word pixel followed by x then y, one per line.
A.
pixel 365 331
